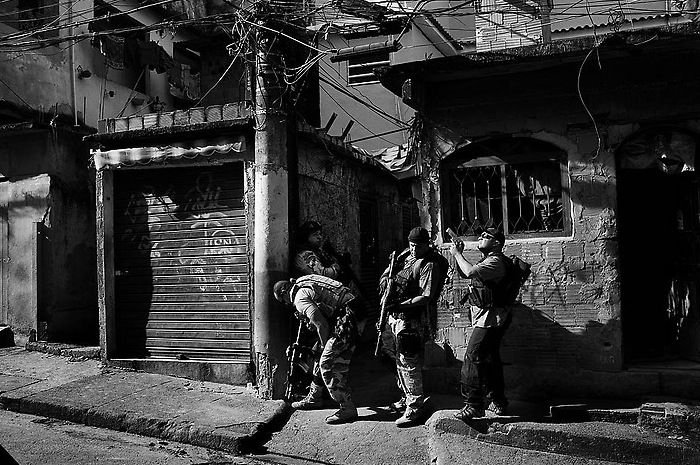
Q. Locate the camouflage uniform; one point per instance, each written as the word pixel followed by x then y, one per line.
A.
pixel 314 293
pixel 409 331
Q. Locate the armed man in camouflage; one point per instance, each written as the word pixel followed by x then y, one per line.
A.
pixel 328 307
pixel 419 282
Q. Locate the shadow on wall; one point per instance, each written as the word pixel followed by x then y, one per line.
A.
pixel 544 360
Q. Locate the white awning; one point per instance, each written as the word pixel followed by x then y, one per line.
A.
pixel 145 155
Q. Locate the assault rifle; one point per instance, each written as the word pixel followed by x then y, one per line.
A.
pixel 386 296
pixel 299 357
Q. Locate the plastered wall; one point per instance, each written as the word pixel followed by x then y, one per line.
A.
pixel 330 188
pixel 569 319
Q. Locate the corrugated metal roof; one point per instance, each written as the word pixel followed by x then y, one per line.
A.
pixel 577 15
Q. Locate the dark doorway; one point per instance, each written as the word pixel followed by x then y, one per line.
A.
pixel 659 238
pixel 369 267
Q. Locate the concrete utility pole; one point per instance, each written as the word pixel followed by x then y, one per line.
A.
pixel 271 214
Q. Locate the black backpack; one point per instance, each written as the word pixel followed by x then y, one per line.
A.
pixel 517 272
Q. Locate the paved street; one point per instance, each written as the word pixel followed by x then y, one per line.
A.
pixel 372 439
pixel 168 412
pixel 32 440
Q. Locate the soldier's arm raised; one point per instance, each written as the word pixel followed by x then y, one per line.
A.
pixel 305 304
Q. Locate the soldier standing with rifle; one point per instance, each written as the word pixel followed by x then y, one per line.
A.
pixel 329 308
pixel 417 287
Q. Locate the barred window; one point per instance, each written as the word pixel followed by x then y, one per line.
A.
pixel 516 184
pixel 361 69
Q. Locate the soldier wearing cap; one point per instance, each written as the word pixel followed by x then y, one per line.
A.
pixel 328 307
pixel 418 286
pixel 310 257
pixel 482 370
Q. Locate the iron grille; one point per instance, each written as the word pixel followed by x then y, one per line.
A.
pixel 527 195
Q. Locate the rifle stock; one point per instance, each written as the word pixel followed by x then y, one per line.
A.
pixel 383 314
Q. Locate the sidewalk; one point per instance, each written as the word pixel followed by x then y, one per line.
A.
pixel 223 417
pixel 232 419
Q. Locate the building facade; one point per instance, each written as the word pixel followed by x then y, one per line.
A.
pixel 178 245
pixel 66 66
pixel 584 152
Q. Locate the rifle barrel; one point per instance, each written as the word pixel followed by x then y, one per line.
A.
pixel 385 299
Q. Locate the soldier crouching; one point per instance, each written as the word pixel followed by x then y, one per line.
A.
pixel 327 305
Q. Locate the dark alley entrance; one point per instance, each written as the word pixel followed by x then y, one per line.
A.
pixel 659 240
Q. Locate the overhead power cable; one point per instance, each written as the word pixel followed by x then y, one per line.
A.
pixel 395 120
pixel 353 118
pixel 91 20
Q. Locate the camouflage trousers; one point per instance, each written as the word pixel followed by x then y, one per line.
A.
pixel 408 346
pixel 333 366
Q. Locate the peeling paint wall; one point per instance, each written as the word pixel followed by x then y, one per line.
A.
pixel 46 79
pixel 330 188
pixel 569 318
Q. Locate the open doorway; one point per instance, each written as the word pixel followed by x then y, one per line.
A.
pixel 659 238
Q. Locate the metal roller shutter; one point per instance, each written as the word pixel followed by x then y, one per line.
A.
pixel 181 264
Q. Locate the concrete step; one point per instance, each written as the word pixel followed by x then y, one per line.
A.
pixel 65 350
pixel 601 441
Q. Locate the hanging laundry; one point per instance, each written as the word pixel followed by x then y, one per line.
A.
pixel 190 82
pixel 112 47
pixel 175 75
pixel 184 82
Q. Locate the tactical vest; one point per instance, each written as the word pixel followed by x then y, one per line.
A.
pixel 331 295
pixel 481 293
pixel 407 280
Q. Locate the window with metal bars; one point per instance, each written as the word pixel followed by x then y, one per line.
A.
pixel 516 184
pixel 360 69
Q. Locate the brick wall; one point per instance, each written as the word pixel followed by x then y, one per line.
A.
pixel 568 318
pixel 568 315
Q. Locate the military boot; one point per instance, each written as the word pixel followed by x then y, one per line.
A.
pixel 347 413
pixel 313 400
